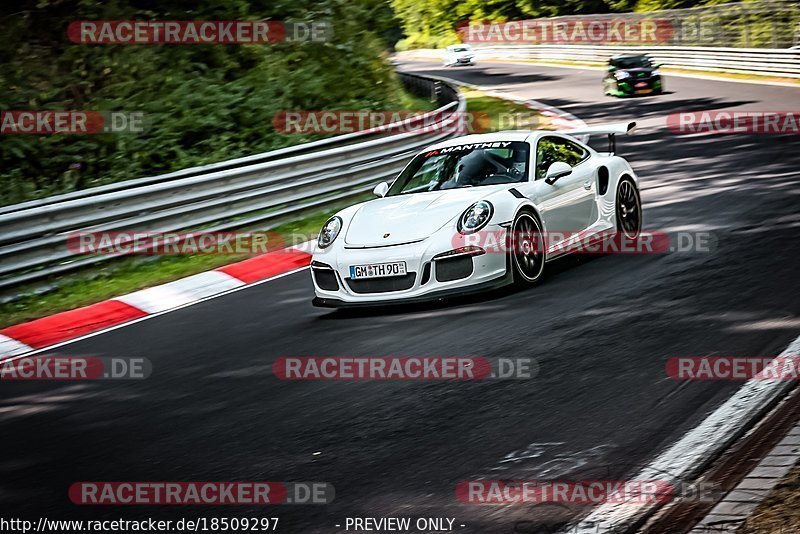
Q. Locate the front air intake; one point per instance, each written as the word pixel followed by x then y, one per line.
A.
pixel 448 269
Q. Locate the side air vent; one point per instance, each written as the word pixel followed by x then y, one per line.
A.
pixel 426 274
pixel 325 276
pixel 602 180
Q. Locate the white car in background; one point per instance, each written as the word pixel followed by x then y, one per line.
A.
pixel 428 235
pixel 461 55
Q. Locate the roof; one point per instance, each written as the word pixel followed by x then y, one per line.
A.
pixel 518 135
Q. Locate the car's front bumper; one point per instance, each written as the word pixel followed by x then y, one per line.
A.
pixel 639 87
pixel 430 276
pixel 325 302
pixel 461 62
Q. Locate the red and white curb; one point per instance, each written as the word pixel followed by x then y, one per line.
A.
pixel 41 333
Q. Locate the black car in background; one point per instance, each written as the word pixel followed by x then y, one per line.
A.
pixel 632 75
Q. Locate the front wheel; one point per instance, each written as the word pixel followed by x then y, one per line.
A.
pixel 528 249
pixel 629 208
pixel 608 87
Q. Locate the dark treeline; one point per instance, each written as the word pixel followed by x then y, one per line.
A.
pixel 202 103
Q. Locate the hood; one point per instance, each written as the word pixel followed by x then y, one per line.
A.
pixel 411 217
pixel 647 71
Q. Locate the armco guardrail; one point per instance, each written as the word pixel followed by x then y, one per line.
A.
pixel 763 61
pixel 257 190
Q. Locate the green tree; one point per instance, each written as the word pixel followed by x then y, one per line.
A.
pixel 202 103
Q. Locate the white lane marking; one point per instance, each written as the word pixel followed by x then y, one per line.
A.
pixel 12 347
pixel 715 433
pixel 174 294
pixel 146 317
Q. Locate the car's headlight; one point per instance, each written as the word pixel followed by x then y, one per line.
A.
pixel 621 75
pixel 476 217
pixel 656 73
pixel 329 232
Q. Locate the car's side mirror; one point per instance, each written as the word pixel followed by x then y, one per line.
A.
pixel 611 68
pixel 557 170
pixel 381 189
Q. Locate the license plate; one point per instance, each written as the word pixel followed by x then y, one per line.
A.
pixel 378 270
pixel 641 84
pixel 644 91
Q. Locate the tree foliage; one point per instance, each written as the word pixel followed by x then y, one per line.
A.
pixel 202 103
pixel 433 23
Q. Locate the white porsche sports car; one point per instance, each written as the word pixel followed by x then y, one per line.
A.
pixel 434 231
pixel 461 55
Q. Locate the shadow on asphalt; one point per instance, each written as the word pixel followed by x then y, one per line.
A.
pixel 640 107
pixel 512 77
pixel 554 268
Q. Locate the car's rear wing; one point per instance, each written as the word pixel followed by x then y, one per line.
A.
pixel 611 130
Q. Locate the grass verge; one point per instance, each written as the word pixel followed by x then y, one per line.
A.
pixel 780 511
pixel 495 114
pixel 123 276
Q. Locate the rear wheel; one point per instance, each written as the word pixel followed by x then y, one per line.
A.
pixel 629 208
pixel 528 249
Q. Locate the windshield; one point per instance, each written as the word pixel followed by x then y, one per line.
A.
pixel 461 49
pixel 467 165
pixel 632 63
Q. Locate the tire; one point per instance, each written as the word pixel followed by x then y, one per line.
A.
pixel 628 208
pixel 528 253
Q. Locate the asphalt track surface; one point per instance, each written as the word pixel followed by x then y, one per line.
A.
pixel 601 329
